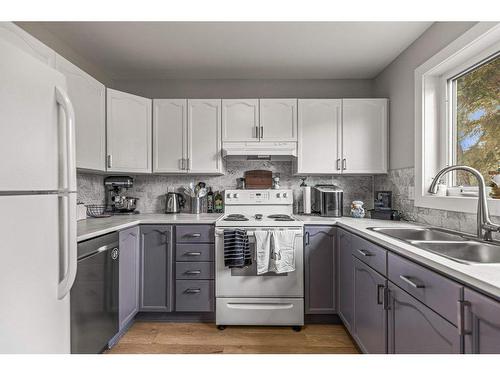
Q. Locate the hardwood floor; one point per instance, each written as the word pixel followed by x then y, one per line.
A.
pixel 205 338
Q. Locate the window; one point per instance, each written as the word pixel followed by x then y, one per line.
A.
pixel 475 120
pixel 457 118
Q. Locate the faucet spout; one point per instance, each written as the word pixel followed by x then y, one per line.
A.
pixel 484 223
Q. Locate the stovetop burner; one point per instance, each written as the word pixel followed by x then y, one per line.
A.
pixel 236 217
pixel 281 217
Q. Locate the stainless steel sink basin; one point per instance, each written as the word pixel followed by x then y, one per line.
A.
pixel 463 251
pixel 419 234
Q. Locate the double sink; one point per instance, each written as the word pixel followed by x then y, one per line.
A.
pixel 452 245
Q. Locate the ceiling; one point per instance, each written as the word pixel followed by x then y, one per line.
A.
pixel 239 50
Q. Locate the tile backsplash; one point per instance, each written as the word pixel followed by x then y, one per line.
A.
pixel 400 180
pixel 151 189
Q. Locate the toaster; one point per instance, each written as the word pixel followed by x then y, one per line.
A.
pixel 327 200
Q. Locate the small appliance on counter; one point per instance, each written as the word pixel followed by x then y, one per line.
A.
pixel 383 207
pixel 174 203
pixel 306 197
pixel 327 200
pixel 116 200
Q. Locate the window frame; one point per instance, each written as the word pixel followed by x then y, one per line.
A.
pixel 433 136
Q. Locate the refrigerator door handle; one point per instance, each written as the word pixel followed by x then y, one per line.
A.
pixel 69 155
pixel 68 244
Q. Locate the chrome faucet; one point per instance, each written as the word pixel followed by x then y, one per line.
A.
pixel 484 225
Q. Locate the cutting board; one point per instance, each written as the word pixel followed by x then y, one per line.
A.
pixel 258 179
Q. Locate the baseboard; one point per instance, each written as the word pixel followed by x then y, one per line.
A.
pixel 322 319
pixel 180 317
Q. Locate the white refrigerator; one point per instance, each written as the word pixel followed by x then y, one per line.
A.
pixel 37 205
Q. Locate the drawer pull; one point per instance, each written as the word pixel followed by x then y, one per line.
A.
pixel 193 235
pixel 193 272
pixel 193 291
pixel 193 253
pixel 412 283
pixel 365 253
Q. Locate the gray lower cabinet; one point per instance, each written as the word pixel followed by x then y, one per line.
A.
pixel 157 278
pixel 413 328
pixel 481 319
pixel 129 275
pixel 194 296
pixel 319 254
pixel 370 316
pixel 345 289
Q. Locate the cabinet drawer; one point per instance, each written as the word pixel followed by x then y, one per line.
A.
pixel 371 254
pixel 194 252
pixel 194 270
pixel 430 288
pixel 194 295
pixel 194 233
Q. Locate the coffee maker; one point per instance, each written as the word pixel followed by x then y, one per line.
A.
pixel 117 202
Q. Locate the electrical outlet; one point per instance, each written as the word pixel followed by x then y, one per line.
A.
pixel 411 192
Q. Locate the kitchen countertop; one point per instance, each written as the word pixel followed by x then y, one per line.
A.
pixel 483 277
pixel 93 227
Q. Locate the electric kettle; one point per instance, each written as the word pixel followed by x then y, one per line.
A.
pixel 174 203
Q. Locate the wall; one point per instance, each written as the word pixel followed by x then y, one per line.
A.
pixel 248 88
pixel 38 31
pixel 151 189
pixel 397 83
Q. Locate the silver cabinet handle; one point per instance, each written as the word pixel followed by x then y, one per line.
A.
pixel 193 253
pixel 261 132
pixel 365 253
pixel 307 238
pixel 193 272
pixel 412 283
pixel 181 162
pixel 338 164
pixel 193 235
pixel 256 132
pixel 461 317
pixel 344 163
pixel 193 291
pixel 110 161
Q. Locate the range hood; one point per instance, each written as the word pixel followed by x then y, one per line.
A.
pixel 265 150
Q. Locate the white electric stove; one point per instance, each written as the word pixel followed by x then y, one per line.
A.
pixel 243 297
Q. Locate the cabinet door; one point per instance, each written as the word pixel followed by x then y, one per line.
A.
pixel 204 136
pixel 364 135
pixel 128 132
pixel 156 268
pixel 278 120
pixel 319 124
pixel 482 324
pixel 129 275
pixel 345 269
pixel 169 135
pixel 413 328
pixel 240 120
pixel 370 317
pixel 89 102
pixel 25 41
pixel 319 270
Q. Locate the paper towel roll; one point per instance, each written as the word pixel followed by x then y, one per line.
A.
pixel 306 199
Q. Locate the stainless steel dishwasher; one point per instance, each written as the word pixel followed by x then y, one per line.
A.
pixel 94 296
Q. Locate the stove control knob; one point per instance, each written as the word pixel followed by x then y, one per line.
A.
pixel 285 195
pixel 236 195
pixel 278 195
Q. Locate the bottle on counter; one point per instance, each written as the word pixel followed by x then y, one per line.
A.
pixel 218 202
pixel 210 201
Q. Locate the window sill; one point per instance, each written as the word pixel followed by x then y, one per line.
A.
pixel 457 204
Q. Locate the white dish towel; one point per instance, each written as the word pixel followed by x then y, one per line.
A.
pixel 282 251
pixel 263 250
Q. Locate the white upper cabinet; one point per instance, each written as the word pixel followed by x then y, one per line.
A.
pixel 89 102
pixel 204 136
pixel 25 41
pixel 169 136
pixel 278 120
pixel 319 130
pixel 128 133
pixel 240 120
pixel 364 134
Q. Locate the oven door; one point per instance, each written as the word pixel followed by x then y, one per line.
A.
pixel 244 282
